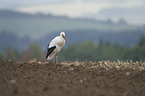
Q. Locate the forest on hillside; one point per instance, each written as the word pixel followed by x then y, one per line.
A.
pixel 82 51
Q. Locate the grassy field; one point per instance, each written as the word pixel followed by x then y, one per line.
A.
pixel 103 78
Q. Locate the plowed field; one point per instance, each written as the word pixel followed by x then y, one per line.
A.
pixel 72 79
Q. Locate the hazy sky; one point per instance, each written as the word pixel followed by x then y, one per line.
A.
pixel 130 10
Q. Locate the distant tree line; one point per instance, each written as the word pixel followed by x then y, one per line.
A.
pixel 104 51
pixel 88 50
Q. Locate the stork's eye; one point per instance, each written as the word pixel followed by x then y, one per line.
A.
pixel 63 35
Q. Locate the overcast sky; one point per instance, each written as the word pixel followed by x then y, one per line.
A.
pixel 130 10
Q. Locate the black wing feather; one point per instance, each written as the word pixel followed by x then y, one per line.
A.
pixel 50 50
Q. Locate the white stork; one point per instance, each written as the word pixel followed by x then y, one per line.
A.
pixel 55 46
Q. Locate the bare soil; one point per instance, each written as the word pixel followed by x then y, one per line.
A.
pixel 48 79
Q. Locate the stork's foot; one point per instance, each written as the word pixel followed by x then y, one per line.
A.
pixel 50 62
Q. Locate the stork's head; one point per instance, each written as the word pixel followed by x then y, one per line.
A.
pixel 63 35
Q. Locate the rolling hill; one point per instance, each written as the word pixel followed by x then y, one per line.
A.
pixel 19 30
pixel 39 25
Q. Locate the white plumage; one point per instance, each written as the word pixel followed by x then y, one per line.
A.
pixel 55 46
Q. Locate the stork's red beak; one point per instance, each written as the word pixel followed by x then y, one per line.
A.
pixel 65 40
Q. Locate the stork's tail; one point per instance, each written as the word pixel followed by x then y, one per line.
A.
pixel 49 51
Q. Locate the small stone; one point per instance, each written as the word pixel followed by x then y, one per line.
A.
pixel 71 69
pixel 81 81
pixel 13 81
pixel 127 73
pixel 39 62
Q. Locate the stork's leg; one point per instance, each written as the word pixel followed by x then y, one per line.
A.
pixel 56 58
pixel 53 59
